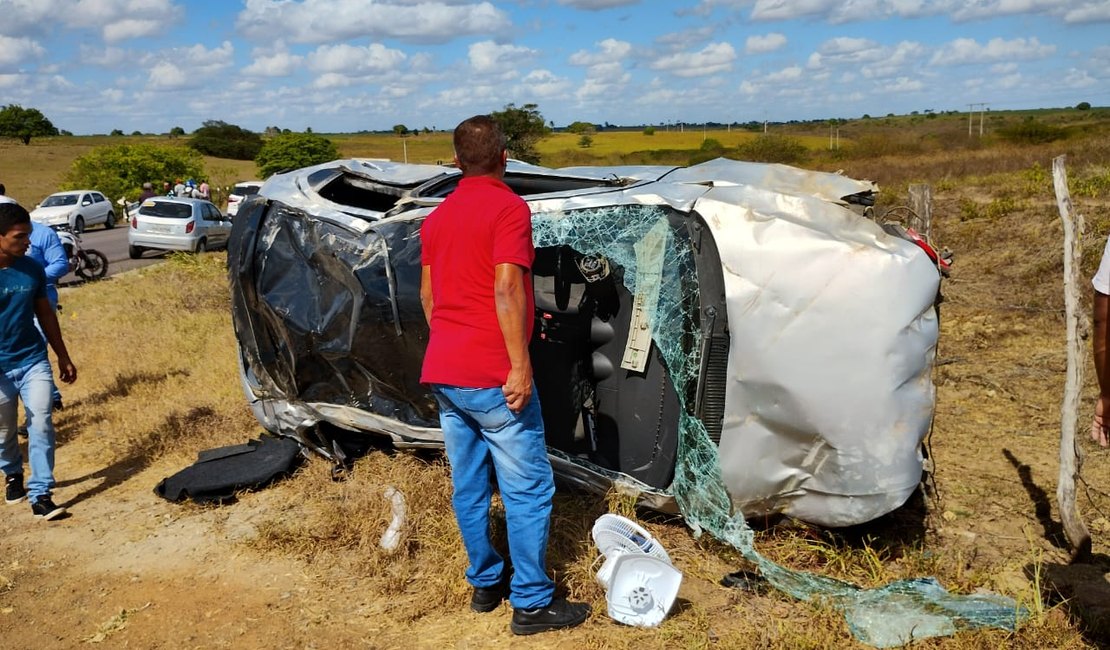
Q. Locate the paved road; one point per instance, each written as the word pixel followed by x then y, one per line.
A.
pixel 113 243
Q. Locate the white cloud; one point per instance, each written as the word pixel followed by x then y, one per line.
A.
pixel 610 85
pixel 108 57
pixel 14 51
pixel 354 60
pixel 986 9
pixel 687 37
pixel 905 85
pixel 597 5
pixel 786 75
pixel 841 11
pixel 1004 68
pixel 128 28
pixel 966 50
pixel 706 7
pixel 187 67
pixel 764 43
pixel 712 59
pixel 1080 79
pixel 1095 11
pixel 278 64
pixel 605 72
pixel 609 50
pixel 850 50
pixel 325 21
pixel 544 84
pixel 488 57
pixel 906 56
pixel 791 9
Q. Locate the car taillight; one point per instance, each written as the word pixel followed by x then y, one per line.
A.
pixel 135 223
pixel 189 227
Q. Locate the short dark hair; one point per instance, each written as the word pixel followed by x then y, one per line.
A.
pixel 12 214
pixel 3 189
pixel 479 144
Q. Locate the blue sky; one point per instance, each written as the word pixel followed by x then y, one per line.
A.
pixel 346 65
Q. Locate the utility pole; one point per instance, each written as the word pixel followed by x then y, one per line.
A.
pixel 982 106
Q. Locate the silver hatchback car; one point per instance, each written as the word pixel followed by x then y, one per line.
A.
pixel 177 224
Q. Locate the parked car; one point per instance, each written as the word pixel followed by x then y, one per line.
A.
pixel 749 316
pixel 239 193
pixel 176 224
pixel 76 210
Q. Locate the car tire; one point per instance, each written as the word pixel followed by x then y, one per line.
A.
pixel 95 265
pixel 110 220
pixel 134 252
pixel 79 225
pixel 202 246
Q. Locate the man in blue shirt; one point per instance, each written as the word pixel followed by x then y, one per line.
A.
pixel 25 372
pixel 47 250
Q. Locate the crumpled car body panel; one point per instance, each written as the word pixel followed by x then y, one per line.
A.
pixel 809 331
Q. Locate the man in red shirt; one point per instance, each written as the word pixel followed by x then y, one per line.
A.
pixel 476 289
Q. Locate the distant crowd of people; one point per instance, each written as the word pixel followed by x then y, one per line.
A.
pixel 182 188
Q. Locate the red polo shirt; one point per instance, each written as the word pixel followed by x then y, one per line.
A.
pixel 480 225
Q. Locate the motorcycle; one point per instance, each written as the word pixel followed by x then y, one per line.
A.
pixel 87 263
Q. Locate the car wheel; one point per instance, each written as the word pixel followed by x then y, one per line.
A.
pixel 110 220
pixel 134 252
pixel 79 225
pixel 202 245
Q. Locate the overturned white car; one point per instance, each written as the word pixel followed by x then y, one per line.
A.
pixel 744 305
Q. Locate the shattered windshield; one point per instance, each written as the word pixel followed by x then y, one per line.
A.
pixel 660 276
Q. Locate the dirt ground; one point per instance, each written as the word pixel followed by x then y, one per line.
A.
pixel 129 570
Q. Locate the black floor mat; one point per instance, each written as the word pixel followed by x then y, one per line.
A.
pixel 219 473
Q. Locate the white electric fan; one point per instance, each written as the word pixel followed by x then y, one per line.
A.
pixel 640 582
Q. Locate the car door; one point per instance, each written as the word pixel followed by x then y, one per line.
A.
pixel 219 228
pixel 97 211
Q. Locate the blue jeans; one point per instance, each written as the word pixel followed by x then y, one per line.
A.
pixel 56 395
pixel 33 384
pixel 482 436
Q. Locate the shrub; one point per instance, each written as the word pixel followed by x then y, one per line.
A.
pixel 585 141
pixel 773 148
pixel 1093 183
pixel 1030 131
pixel 1083 106
pixel 969 210
pixel 649 130
pixel 224 140
pixel 121 170
pixel 293 151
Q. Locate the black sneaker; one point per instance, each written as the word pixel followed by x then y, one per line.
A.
pixel 14 492
pixel 559 614
pixel 486 599
pixel 44 508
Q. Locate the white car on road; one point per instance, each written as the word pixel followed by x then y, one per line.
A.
pixel 241 192
pixel 176 224
pixel 76 209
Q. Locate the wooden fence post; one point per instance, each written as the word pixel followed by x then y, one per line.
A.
pixel 921 202
pixel 1071 460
